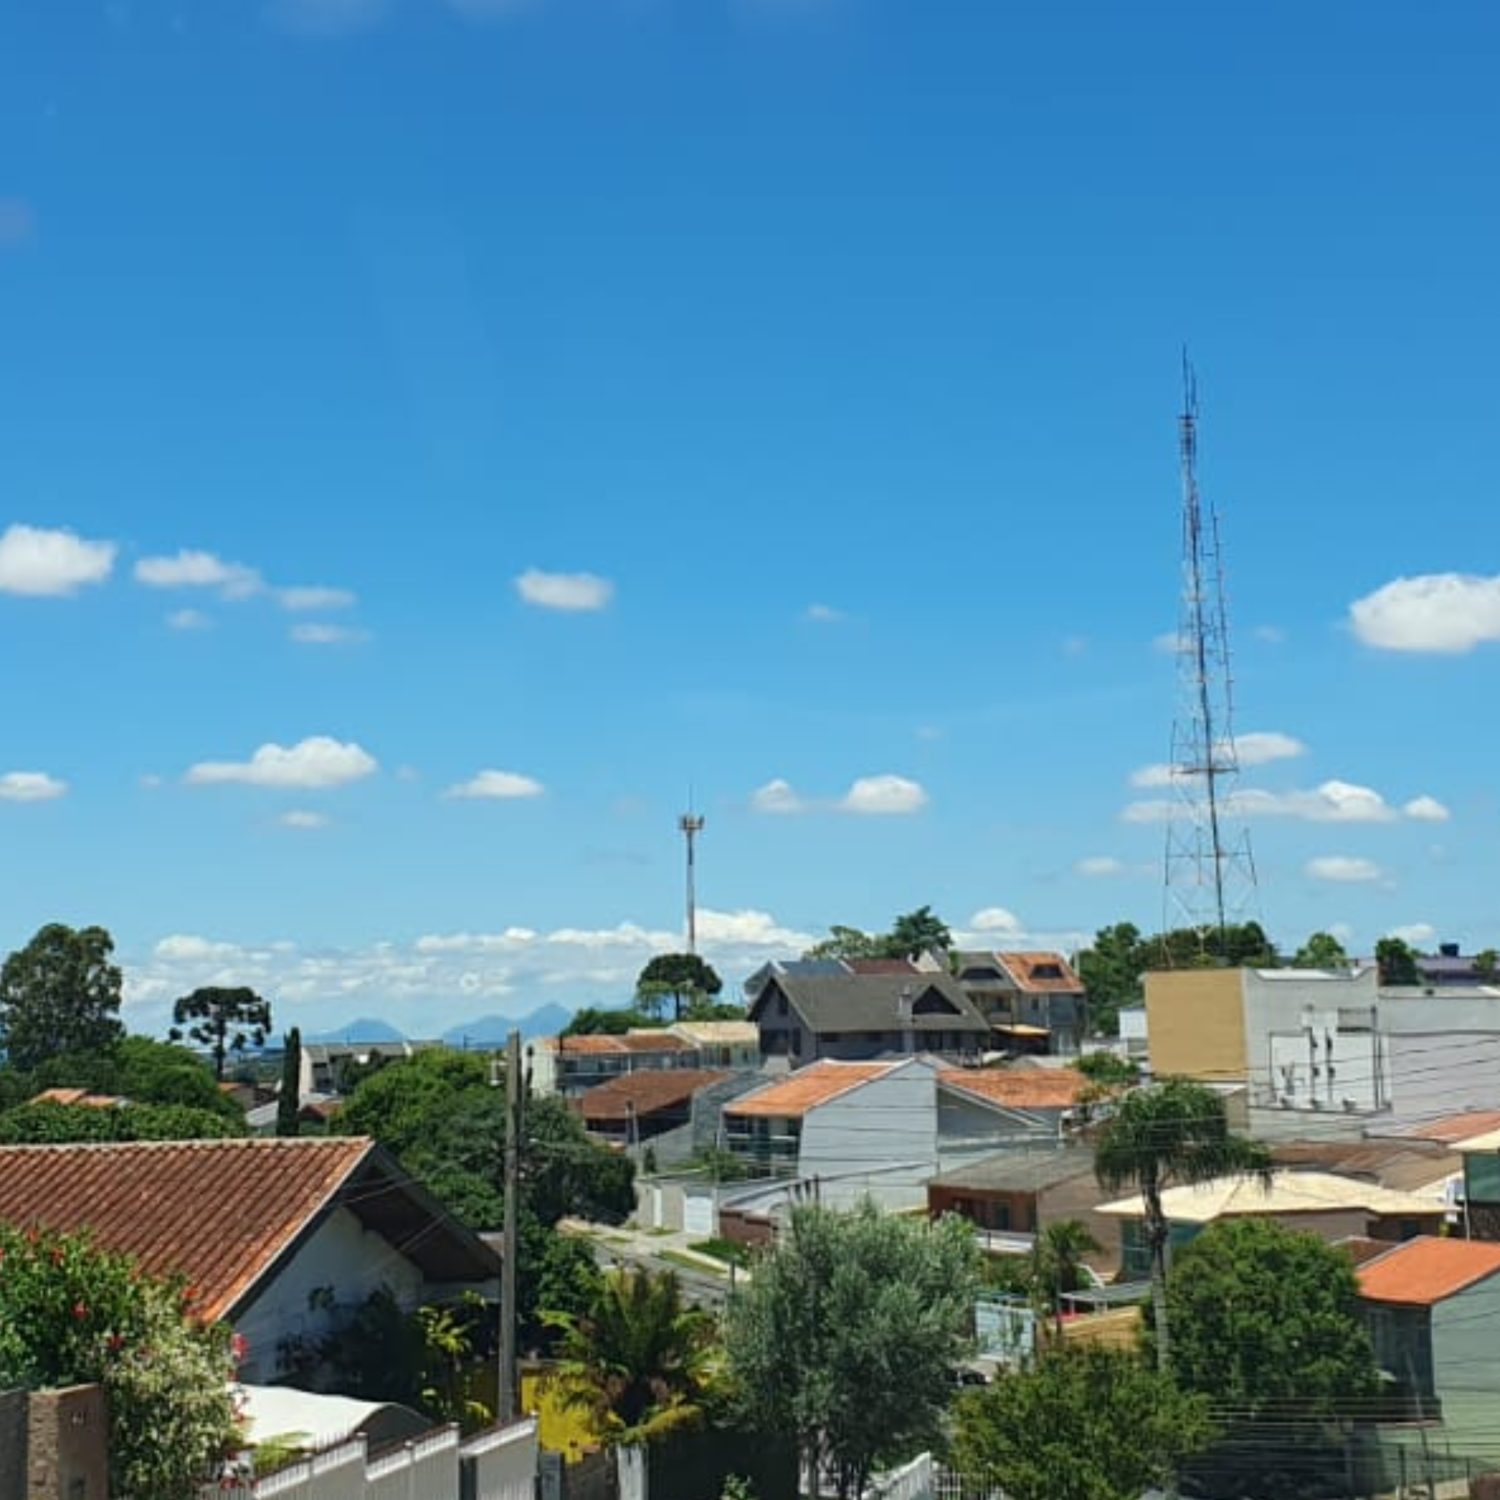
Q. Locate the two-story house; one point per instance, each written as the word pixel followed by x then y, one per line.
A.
pixel 862 1017
pixel 1034 1001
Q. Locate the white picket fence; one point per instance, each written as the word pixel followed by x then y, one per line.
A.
pixel 500 1464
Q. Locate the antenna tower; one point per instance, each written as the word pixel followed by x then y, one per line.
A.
pixel 1210 872
pixel 691 825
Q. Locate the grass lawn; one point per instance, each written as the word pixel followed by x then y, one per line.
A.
pixel 725 1250
pixel 689 1263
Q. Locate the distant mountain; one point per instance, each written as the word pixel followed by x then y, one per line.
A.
pixel 366 1029
pixel 491 1031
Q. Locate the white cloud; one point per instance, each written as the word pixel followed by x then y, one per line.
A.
pixel 509 941
pixel 884 796
pixel 777 796
pixel 1331 802
pixel 37 562
pixel 1099 866
pixel 189 619
pixel 573 592
pixel 186 948
pixel 824 614
pixel 31 786
pixel 318 761
pixel 315 596
pixel 1426 810
pixel 188 569
pixel 1415 933
pixel 302 818
pixel 1440 612
pixel 1167 642
pixel 498 786
pixel 319 633
pixel 996 919
pixel 1343 868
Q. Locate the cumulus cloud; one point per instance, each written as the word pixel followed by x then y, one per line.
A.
pixel 499 786
pixel 320 633
pixel 316 762
pixel 39 562
pixel 1331 802
pixel 31 786
pixel 1260 747
pixel 1415 933
pixel 183 947
pixel 302 818
pixel 993 919
pixel 885 795
pixel 1343 868
pixel 314 596
pixel 1436 612
pixel 1426 810
pixel 189 569
pixel 189 619
pixel 571 592
pixel 777 796
pixel 1099 866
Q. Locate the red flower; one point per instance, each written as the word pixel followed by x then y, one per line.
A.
pixel 239 1347
pixel 80 1311
pixel 116 1343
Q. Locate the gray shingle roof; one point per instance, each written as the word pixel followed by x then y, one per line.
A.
pixel 831 1003
pixel 1020 1171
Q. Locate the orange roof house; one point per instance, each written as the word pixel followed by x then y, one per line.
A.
pixel 1425 1271
pixel 252 1225
pixel 1020 1088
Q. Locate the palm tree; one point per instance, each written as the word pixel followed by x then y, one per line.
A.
pixel 1172 1134
pixel 1057 1263
pixel 640 1360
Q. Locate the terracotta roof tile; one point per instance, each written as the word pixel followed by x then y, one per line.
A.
pixel 592 1045
pixel 649 1090
pixel 1023 969
pixel 1019 1088
pixel 1461 1127
pixel 655 1041
pixel 792 1097
pixel 1427 1270
pixel 217 1212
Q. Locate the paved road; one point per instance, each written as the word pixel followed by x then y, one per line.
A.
pixel 620 1246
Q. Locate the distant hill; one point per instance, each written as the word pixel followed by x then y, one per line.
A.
pixel 366 1029
pixel 491 1031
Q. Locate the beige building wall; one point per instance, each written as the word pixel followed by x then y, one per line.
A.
pixel 1195 1024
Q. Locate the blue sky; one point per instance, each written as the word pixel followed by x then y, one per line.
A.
pixel 820 357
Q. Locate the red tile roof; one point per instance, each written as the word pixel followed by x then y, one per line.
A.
pixel 592 1045
pixel 648 1090
pixel 655 1041
pixel 1452 1129
pixel 77 1097
pixel 218 1212
pixel 1019 1088
pixel 790 1098
pixel 1427 1270
pixel 1023 969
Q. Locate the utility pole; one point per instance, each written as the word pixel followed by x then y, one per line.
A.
pixel 691 824
pixel 509 1387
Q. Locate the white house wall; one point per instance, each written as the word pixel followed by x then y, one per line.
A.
pixel 341 1254
pixel 888 1120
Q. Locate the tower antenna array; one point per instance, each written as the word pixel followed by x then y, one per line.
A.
pixel 691 824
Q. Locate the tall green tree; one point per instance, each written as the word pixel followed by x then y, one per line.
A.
pixel 1111 973
pixel 917 932
pixel 639 1360
pixel 848 942
pixel 289 1099
pixel 223 1020
pixel 849 1334
pixel 1396 960
pixel 1172 1134
pixel 1266 1321
pixel 1083 1424
pixel 1487 964
pixel 684 977
pixel 1057 1263
pixel 60 996
pixel 1321 951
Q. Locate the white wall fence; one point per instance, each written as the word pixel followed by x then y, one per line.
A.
pixel 500 1464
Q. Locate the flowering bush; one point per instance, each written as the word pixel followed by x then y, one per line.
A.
pixel 71 1313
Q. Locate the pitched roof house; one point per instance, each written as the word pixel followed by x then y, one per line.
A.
pixel 863 1017
pixel 1034 1000
pixel 255 1227
pixel 1432 1307
pixel 638 1106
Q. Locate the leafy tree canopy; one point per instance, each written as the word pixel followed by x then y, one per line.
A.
pixel 222 1020
pixel 59 995
pixel 848 1336
pixel 912 934
pixel 55 1124
pixel 680 975
pixel 1108 1070
pixel 1084 1424
pixel 595 1020
pixel 1321 951
pixel 1397 961
pixel 1487 963
pixel 72 1314
pixel 1266 1321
